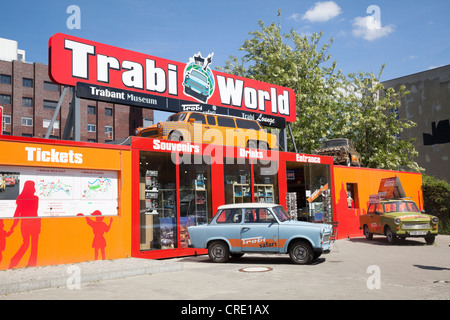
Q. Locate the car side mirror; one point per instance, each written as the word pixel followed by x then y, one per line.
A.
pixel 192 121
pixel 423 211
pixel 378 212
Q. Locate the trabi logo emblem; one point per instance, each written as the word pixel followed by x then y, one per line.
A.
pixel 198 78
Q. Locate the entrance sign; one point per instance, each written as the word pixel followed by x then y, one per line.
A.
pixel 107 73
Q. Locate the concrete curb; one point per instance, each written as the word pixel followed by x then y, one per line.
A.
pixel 71 275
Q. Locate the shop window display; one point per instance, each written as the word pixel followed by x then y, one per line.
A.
pixel 158 201
pixel 195 195
pixel 308 192
pixel 265 188
pixel 237 174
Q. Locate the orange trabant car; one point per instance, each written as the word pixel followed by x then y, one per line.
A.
pixel 211 129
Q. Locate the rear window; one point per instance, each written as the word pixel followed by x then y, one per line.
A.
pixel 246 124
pixel 230 216
pixel 226 122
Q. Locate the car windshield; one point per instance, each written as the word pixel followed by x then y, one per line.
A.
pixel 198 76
pixel 400 206
pixel 281 214
pixel 334 143
pixel 177 117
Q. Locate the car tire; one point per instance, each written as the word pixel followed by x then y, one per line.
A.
pixel 367 234
pixel 430 240
pixel 176 136
pixel 219 252
pixel 390 236
pixel 301 252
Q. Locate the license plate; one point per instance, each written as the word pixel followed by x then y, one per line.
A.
pixel 417 233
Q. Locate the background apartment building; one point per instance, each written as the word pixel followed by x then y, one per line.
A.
pixel 428 105
pixel 29 99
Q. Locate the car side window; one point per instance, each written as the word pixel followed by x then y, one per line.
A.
pixel 246 124
pixel 226 122
pixel 211 120
pixel 371 209
pixel 198 118
pixel 379 208
pixel 230 216
pixel 259 216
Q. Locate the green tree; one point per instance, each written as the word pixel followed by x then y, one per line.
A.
pixel 376 126
pixel 328 103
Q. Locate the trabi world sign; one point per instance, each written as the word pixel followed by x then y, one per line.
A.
pixel 113 74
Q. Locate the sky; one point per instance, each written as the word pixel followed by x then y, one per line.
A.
pixel 407 36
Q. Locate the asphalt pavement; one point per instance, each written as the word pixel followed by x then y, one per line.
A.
pixel 355 269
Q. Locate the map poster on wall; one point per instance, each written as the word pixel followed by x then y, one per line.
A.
pixel 58 192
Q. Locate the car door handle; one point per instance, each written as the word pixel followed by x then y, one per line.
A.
pixel 245 229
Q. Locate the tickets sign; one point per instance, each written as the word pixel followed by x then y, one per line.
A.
pixel 109 73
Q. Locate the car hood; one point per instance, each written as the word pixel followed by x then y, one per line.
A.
pixel 295 223
pixel 410 216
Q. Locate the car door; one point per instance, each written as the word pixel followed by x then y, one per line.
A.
pixel 372 218
pixel 198 122
pixel 259 232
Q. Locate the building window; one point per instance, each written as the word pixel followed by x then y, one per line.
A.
pixel 5 78
pixel 147 122
pixel 46 124
pixel 108 130
pixel 50 104
pixel 50 86
pixel 91 128
pixel 91 109
pixel 27 82
pixel 27 102
pixel 27 122
pixel 5 98
pixel 108 112
pixel 91 140
pixel 352 195
pixel 6 119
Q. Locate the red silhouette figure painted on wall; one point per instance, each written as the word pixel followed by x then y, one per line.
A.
pixel 99 228
pixel 3 235
pixel 27 204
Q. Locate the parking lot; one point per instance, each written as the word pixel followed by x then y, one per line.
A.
pixel 355 269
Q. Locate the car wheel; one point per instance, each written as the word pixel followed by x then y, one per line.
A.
pixel 176 136
pixel 218 252
pixel 367 234
pixel 391 237
pixel 252 144
pixel 263 146
pixel 348 161
pixel 301 252
pixel 430 239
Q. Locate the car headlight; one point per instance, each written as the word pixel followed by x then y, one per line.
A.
pixel 159 125
pixel 434 220
pixel 397 221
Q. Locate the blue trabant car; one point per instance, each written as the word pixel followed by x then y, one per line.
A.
pixel 260 228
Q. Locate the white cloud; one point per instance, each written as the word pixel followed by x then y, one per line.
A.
pixel 370 28
pixel 322 11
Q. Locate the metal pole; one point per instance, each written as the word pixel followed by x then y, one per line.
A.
pixel 55 114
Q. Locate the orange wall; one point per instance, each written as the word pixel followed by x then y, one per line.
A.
pixel 367 181
pixel 62 240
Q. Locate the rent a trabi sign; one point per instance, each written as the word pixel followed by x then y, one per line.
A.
pixel 107 73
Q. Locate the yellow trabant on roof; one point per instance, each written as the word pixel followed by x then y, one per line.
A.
pixel 211 129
